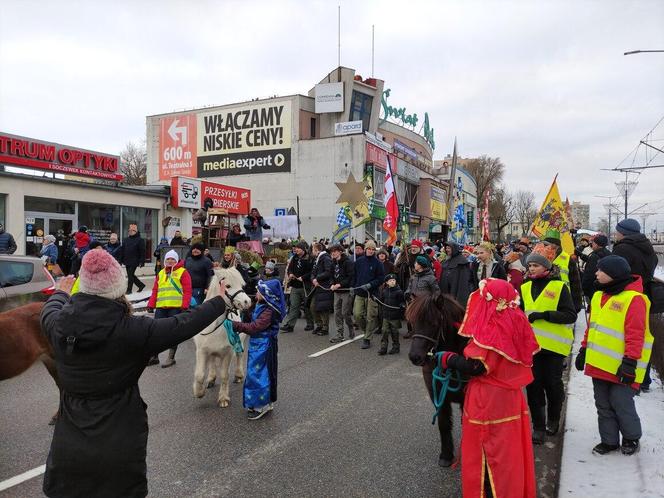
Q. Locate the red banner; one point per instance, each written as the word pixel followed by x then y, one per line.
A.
pixel 377 156
pixel 192 193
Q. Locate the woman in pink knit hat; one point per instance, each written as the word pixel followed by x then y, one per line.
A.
pixel 101 349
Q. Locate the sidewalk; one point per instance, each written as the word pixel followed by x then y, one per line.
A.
pixel 584 474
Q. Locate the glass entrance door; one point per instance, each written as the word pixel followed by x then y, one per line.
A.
pixel 34 234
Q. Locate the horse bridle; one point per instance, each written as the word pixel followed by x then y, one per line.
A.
pixel 435 342
pixel 230 308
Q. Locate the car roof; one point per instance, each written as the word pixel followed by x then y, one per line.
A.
pixel 16 257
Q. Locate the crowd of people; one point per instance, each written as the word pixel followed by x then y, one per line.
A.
pixel 521 299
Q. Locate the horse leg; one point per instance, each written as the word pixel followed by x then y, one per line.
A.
pixel 201 369
pixel 241 361
pixel 212 372
pixel 446 457
pixel 224 396
pixel 49 363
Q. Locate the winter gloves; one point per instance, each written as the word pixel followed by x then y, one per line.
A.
pixel 445 358
pixel 538 315
pixel 627 371
pixel 366 287
pixel 580 361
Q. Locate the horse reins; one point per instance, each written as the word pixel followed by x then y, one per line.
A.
pixel 229 309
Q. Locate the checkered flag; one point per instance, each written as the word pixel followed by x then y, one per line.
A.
pixel 342 217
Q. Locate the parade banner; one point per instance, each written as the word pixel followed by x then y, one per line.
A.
pixel 486 231
pixel 246 139
pixel 437 204
pixel 362 211
pixel 552 215
pixel 344 222
pixel 391 204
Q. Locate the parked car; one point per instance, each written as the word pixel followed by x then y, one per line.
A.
pixel 23 279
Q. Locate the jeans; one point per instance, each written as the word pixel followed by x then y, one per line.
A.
pixel 365 311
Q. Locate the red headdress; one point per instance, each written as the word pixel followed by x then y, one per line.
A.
pixel 494 321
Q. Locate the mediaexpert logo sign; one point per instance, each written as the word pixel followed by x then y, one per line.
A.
pixel 267 161
pixel 348 128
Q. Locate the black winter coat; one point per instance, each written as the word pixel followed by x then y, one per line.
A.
pixel 640 255
pixel 200 270
pixel 133 251
pixel 323 272
pixel 588 277
pixel 392 296
pixel 343 272
pixel 100 438
pixel 7 243
pixel 300 267
pixel 423 282
pixel 457 278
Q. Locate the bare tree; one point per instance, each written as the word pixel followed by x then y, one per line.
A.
pixel 501 210
pixel 134 163
pixel 524 209
pixel 488 173
pixel 603 225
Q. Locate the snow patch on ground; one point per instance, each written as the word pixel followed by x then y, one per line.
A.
pixel 586 475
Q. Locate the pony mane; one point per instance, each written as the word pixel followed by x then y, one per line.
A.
pixel 232 277
pixel 436 310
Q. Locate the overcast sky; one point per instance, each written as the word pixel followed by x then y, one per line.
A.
pixel 543 85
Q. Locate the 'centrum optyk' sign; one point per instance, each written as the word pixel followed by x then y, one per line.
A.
pixel 244 139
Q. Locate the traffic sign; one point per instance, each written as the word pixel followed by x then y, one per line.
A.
pixel 280 212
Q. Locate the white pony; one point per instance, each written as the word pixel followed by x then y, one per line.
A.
pixel 213 351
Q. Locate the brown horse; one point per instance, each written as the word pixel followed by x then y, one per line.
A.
pixel 22 343
pixel 435 320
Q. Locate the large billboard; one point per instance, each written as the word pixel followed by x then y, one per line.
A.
pixel 238 140
pixel 177 146
pixel 245 139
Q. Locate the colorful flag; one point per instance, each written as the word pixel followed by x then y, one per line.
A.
pixel 552 215
pixel 342 230
pixel 486 231
pixel 391 205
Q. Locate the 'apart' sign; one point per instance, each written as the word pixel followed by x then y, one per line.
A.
pixel 36 154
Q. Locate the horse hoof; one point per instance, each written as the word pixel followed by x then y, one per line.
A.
pixel 199 392
pixel 238 380
pixel 445 462
pixel 210 384
pixel 224 403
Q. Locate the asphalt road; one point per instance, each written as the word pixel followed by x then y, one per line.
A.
pixel 347 423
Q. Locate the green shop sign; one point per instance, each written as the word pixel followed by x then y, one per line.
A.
pixel 400 114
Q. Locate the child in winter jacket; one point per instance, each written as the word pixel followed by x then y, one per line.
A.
pixel 392 306
pixel 548 304
pixel 615 352
pixel 171 294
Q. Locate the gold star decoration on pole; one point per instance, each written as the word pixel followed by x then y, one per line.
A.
pixel 352 191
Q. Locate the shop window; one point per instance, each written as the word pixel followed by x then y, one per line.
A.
pixel 312 128
pixel 410 196
pixel 15 273
pixel 45 205
pixel 360 108
pixel 3 209
pixel 147 222
pixel 101 220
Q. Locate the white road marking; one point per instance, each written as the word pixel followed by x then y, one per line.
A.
pixel 25 476
pixel 336 346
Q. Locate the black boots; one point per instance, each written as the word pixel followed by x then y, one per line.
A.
pixel 552 427
pixel 629 446
pixel 603 448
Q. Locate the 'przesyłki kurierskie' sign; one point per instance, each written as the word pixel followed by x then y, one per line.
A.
pixel 244 139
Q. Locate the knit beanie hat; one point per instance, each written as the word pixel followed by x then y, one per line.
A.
pixel 614 266
pixel 370 245
pixel 628 226
pixel 101 275
pixel 198 245
pixel 601 240
pixel 172 254
pixel 552 236
pixel 390 276
pixel 423 261
pixel 536 258
pixel 417 243
pixel 302 245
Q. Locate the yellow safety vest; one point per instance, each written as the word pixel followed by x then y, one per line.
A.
pixel 606 333
pixel 76 287
pixel 556 337
pixel 167 295
pixel 562 261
